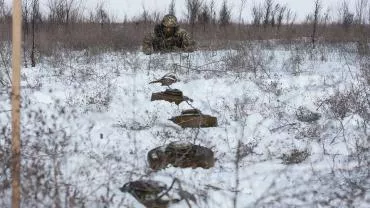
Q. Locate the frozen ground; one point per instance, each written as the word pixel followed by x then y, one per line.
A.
pixel 88 123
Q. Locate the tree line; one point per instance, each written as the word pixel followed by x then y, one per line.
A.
pixel 266 13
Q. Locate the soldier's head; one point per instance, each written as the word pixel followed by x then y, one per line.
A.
pixel 169 25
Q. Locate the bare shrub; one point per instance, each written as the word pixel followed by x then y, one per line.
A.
pixel 146 122
pixel 157 63
pixel 146 17
pixel 295 156
pixel 365 71
pixel 247 149
pixel 346 17
pixel 294 63
pixel 239 108
pixel 345 187
pixel 96 99
pixel 193 9
pixel 44 153
pixel 64 11
pixel 361 6
pixel 4 10
pixel 310 131
pixel 5 64
pixel 316 16
pixel 101 99
pixel 343 103
pixel 257 14
pixel 248 58
pixel 363 48
pixel 280 16
pixel 205 16
pixel 100 15
pixel 270 86
pixel 306 115
pixel 268 6
pixel 225 14
pixel 171 8
pixel 5 158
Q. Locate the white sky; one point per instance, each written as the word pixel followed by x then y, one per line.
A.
pixel 131 8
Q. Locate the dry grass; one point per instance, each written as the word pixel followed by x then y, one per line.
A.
pixel 128 36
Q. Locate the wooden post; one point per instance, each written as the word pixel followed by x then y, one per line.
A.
pixel 16 65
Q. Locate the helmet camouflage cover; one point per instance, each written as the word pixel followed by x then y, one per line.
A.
pixel 169 21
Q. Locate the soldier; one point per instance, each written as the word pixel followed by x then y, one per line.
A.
pixel 167 37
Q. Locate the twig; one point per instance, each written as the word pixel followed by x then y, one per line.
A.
pixel 280 127
pixel 166 192
pixel 180 187
pixel 5 111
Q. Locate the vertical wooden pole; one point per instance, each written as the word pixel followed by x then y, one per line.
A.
pixel 16 65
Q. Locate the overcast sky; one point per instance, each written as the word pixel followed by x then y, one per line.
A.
pixel 130 8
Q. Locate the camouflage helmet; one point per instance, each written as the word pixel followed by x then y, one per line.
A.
pixel 169 20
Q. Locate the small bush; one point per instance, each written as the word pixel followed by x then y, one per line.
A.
pixel 248 58
pixel 295 156
pixel 352 101
pixel 365 70
pixel 295 61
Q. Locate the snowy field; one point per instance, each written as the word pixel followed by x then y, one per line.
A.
pixel 88 124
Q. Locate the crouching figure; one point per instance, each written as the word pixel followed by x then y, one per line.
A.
pixel 168 37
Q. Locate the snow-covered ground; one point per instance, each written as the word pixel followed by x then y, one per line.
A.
pixel 88 123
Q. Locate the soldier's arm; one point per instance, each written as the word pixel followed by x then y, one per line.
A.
pixel 148 44
pixel 188 44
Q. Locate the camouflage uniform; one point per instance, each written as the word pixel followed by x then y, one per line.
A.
pixel 157 41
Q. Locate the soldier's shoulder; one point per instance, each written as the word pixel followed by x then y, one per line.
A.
pixel 182 31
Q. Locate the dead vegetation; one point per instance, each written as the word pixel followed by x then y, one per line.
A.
pixel 64 25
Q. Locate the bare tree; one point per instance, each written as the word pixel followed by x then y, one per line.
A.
pixel 72 11
pixel 25 19
pixel 205 16
pixel 36 17
pixel 326 17
pixel 55 11
pixel 155 16
pixel 290 17
pixel 145 17
pixel 360 11
pixel 212 11
pixel 315 21
pixel 280 16
pixel 257 14
pixel 5 63
pixel 64 11
pixel 101 15
pixel 267 8
pixel 273 17
pixel 242 5
pixel 193 8
pixel 225 14
pixel 31 16
pixel 171 8
pixel 2 8
pixel 4 11
pixel 346 18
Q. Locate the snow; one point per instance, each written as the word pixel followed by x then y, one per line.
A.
pixel 108 125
